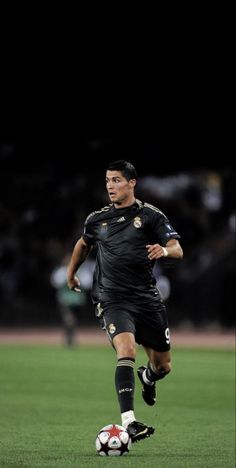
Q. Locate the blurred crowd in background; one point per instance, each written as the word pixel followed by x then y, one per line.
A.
pixel 44 201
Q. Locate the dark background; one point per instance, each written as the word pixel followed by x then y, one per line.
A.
pixel 50 181
pixel 67 111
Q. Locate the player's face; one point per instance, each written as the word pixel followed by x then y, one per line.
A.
pixel 120 190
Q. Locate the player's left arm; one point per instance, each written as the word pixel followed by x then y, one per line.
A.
pixel 172 249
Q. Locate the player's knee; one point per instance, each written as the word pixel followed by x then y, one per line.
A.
pixel 126 350
pixel 125 346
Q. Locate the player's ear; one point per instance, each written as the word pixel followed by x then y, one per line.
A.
pixel 132 183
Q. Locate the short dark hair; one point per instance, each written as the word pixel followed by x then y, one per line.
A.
pixel 126 168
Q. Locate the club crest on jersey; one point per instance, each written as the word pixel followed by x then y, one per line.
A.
pixel 137 222
pixel 111 328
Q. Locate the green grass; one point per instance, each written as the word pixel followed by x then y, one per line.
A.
pixel 53 400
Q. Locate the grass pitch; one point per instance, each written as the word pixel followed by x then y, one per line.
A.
pixel 53 400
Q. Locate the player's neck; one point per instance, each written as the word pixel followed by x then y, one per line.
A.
pixel 125 203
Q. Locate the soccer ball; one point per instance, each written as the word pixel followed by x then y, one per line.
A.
pixel 112 440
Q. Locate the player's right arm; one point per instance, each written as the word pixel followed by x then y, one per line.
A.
pixel 79 255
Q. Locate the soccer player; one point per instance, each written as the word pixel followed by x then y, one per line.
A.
pixel 129 236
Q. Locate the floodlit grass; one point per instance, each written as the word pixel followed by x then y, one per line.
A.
pixel 53 400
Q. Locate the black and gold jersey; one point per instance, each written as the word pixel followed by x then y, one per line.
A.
pixel 123 269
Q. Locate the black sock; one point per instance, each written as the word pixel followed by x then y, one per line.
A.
pixel 154 376
pixel 124 381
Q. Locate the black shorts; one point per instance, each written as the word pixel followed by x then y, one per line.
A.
pixel 147 321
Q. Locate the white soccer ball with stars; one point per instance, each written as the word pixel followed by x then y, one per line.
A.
pixel 112 440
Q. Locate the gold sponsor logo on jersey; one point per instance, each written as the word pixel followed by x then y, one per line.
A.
pixel 137 222
pixel 111 328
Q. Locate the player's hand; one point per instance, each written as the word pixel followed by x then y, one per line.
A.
pixel 155 251
pixel 74 284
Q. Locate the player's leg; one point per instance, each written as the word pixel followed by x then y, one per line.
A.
pixel 119 324
pixel 120 328
pixel 159 365
pixel 153 333
pixel 125 346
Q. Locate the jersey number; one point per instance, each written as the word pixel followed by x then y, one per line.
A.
pixel 167 335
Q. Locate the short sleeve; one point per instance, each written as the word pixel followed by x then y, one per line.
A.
pixel 88 232
pixel 162 230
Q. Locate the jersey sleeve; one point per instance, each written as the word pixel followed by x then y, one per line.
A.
pixel 88 232
pixel 162 230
